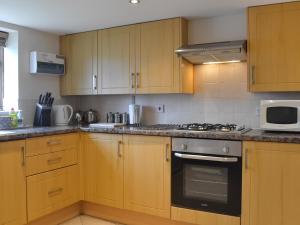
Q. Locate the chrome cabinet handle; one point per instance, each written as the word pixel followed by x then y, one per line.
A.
pixel 54 142
pixel 55 191
pixel 95 82
pixel 252 71
pixel 137 80
pixel 132 80
pixel 54 160
pixel 246 159
pixel 119 149
pixel 167 153
pixel 207 158
pixel 23 155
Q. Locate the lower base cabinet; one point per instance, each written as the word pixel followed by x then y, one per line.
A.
pixel 12 183
pixel 271 184
pixel 147 170
pixel 51 191
pixel 103 169
pixel 202 218
pixel 128 171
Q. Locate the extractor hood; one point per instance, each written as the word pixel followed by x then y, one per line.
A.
pixel 218 52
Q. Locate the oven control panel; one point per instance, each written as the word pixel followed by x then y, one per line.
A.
pixel 207 146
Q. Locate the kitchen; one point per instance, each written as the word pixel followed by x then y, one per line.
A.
pixel 198 150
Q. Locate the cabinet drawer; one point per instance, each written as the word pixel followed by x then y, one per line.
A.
pixel 54 143
pixel 54 160
pixel 51 191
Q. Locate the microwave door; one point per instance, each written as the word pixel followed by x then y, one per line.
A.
pixel 280 118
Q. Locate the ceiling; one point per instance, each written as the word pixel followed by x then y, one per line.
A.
pixel 71 16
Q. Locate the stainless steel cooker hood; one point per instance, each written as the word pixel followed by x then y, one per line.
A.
pixel 219 52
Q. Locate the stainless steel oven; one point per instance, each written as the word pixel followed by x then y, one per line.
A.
pixel 207 175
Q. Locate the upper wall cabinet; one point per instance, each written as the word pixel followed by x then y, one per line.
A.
pixel 116 60
pixel 274 47
pixel 81 59
pixel 131 59
pixel 158 69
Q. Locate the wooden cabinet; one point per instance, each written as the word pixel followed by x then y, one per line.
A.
pixel 53 176
pixel 203 218
pixel 131 59
pixel 270 184
pixel 147 174
pixel 49 144
pixel 159 69
pixel 103 169
pixel 51 161
pixel 12 183
pixel 116 60
pixel 274 47
pixel 51 191
pixel 81 61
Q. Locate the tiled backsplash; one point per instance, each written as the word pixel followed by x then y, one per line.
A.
pixel 220 96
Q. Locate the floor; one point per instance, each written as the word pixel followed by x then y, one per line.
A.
pixel 88 220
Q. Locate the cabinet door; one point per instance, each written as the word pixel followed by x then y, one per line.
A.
pixel 51 191
pixel 84 63
pixel 155 55
pixel 147 175
pixel 117 62
pixel 103 169
pixel 12 183
pixel 274 48
pixel 270 184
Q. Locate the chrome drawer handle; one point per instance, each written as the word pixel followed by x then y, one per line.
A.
pixel 132 80
pixel 23 156
pixel 252 71
pixel 167 153
pixel 54 160
pixel 207 158
pixel 119 149
pixel 137 80
pixel 55 191
pixel 246 159
pixel 95 82
pixel 58 142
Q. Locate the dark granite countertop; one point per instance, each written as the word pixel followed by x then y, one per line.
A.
pixel 283 137
pixel 166 130
pixel 22 133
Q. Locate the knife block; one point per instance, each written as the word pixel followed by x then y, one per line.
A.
pixel 42 117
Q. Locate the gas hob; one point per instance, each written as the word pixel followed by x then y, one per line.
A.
pixel 212 127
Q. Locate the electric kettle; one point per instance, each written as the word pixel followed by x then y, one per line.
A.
pixel 62 114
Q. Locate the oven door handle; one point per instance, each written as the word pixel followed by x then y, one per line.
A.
pixel 207 158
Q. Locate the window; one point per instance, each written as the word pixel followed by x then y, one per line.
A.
pixel 1 77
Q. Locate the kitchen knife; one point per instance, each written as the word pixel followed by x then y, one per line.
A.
pixel 43 100
pixel 51 102
pixel 40 99
pixel 46 98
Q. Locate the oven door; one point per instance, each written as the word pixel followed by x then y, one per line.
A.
pixel 207 183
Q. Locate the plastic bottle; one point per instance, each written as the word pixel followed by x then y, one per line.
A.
pixel 14 118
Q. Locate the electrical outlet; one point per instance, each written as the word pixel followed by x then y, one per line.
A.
pixel 160 108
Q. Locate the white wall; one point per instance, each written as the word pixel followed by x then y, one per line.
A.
pixel 30 86
pixel 220 90
pixel 216 29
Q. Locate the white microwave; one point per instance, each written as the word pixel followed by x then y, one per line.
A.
pixel 280 115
